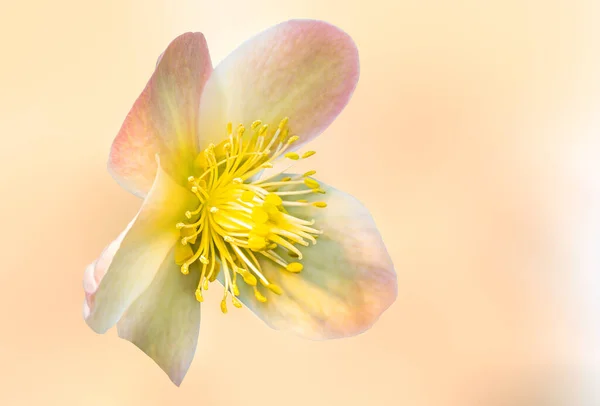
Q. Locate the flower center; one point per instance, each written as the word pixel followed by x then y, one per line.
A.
pixel 240 219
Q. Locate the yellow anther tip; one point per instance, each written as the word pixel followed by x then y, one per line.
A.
pixel 236 302
pixel 223 306
pixel 247 196
pixel 283 123
pixel 229 128
pixel 293 138
pixel 255 124
pixel 191 178
pixel 294 267
pixel 199 296
pixel 292 155
pixel 259 215
pixel 275 289
pixel 308 154
pixel 249 279
pixel 309 173
pixel 188 214
pixel 185 269
pixel 179 226
pixel 311 183
pixel 273 199
pixel 259 296
pixel 320 204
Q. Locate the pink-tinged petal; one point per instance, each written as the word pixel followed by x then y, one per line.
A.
pixel 302 69
pixel 164 118
pixel 131 263
pixel 347 282
pixel 165 320
pixel 95 271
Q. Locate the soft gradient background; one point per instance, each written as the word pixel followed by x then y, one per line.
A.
pixel 473 137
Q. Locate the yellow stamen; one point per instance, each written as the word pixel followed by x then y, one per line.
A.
pixel 238 217
pixel 275 289
pixel 311 183
pixel 295 267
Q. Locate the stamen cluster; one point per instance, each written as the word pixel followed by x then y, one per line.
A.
pixel 239 219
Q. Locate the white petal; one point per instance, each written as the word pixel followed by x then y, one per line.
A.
pixel 165 320
pixel 302 69
pixel 141 252
pixel 348 279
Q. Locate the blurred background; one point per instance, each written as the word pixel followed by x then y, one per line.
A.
pixel 473 137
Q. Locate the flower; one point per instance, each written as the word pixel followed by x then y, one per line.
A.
pixel 303 256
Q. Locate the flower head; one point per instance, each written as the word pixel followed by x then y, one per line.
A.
pixel 201 147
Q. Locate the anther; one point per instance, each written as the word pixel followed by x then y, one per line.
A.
pixel 247 196
pixel 179 226
pixel 308 153
pixel 255 124
pixel 273 199
pixel 185 269
pixel 259 296
pixel 294 267
pixel 214 209
pixel 283 123
pixel 293 139
pixel 320 204
pixel 199 295
pixel 223 306
pixel 309 173
pixel 229 128
pixel 188 214
pixel 292 155
pixel 191 179
pixel 238 181
pixel 236 302
pixel 204 260
pixel 274 288
pixel 249 278
pixel 311 183
pixel 259 215
pixel 194 189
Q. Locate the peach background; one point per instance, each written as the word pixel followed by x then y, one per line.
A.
pixel 472 137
